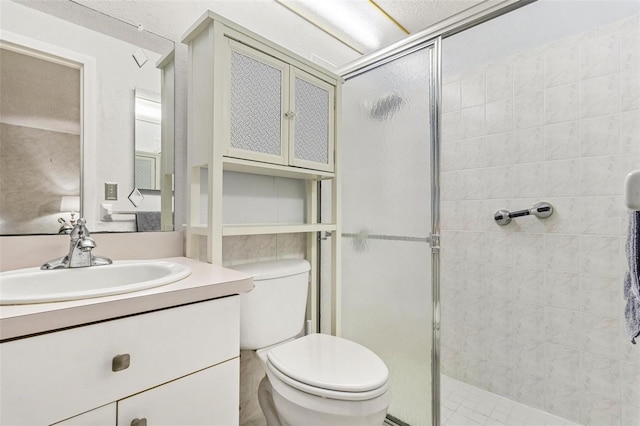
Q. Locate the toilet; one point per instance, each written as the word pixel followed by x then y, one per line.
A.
pixel 315 379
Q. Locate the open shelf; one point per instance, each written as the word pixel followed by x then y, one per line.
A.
pixel 258 168
pixel 276 228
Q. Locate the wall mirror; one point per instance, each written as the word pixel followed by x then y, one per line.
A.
pixel 86 121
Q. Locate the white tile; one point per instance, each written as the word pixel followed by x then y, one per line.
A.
pixel 600 255
pixel 601 295
pixel 630 132
pixel 598 410
pixel 562 141
pixel 473 91
pixel 528 75
pixel 630 382
pixel 499 281
pixel 601 376
pixel 600 56
pixel 562 290
pixel 562 178
pixel 599 96
pixel 630 50
pixel 599 335
pixel 600 136
pixel 562 253
pixel 561 66
pixel 451 126
pixel 600 175
pixel 472 122
pixel 528 145
pixel 527 318
pixel 499 116
pixel 565 217
pixel 528 110
pixel 562 327
pixel 630 415
pixel 451 96
pixel 629 91
pixel 499 83
pixel 528 250
pixel 598 215
pixel 562 365
pixel 562 103
pixel 528 180
pixel 563 401
pixel 499 149
pixel 529 390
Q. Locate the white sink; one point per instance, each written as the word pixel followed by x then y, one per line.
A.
pixel 33 285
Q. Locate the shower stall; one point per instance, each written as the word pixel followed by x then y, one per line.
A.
pixel 482 323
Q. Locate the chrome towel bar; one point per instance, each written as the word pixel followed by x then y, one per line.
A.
pixel 541 210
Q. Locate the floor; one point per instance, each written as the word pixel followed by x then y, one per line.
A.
pixel 466 405
pixel 463 405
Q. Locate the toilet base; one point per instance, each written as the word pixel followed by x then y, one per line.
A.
pixel 279 411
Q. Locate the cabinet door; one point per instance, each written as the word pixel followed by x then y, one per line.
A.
pixel 256 93
pixel 208 397
pixel 103 416
pixel 312 122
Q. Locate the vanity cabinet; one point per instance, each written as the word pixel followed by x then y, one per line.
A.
pixel 277 112
pixel 176 366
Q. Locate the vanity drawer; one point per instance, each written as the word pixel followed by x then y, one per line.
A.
pixel 56 375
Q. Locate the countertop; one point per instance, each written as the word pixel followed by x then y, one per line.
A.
pixel 205 282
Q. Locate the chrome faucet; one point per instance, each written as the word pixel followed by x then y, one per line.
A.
pixel 80 247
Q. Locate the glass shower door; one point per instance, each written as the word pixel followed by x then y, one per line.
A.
pixel 386 256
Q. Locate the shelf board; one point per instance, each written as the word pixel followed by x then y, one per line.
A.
pixel 258 168
pixel 199 230
pixel 277 228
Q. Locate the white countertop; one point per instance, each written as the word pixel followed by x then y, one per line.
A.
pixel 205 282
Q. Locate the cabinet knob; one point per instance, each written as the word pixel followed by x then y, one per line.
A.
pixel 139 422
pixel 290 114
pixel 120 362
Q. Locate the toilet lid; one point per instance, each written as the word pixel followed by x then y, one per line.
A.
pixel 330 362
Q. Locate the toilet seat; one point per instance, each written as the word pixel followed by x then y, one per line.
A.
pixel 330 367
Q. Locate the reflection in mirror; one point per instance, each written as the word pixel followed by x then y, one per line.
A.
pixel 147 139
pixel 39 141
pixel 119 121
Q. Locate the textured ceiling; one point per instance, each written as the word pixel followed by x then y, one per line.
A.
pixel 416 15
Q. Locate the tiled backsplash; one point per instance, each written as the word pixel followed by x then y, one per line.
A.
pixel 533 310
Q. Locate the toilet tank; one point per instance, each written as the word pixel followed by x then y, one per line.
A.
pixel 274 310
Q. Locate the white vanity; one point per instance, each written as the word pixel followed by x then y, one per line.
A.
pixel 167 355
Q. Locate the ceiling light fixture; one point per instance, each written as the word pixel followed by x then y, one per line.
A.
pixel 357 23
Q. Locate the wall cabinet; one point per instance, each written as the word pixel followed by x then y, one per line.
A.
pixel 255 107
pixel 176 366
pixel 277 112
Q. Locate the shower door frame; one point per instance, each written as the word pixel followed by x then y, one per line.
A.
pixel 432 38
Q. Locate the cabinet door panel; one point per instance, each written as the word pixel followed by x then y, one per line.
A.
pixel 57 375
pixel 208 397
pixel 312 126
pixel 257 93
pixel 103 416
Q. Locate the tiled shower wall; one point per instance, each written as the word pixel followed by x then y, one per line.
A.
pixel 534 310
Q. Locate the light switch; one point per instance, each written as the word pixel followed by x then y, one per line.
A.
pixel 110 191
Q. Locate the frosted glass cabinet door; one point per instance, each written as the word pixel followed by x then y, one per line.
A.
pixel 312 122
pixel 258 90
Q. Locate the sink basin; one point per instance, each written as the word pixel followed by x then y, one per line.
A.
pixel 33 285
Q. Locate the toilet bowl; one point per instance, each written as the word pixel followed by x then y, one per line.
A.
pixel 316 379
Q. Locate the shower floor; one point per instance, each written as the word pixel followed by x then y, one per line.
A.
pixel 466 405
